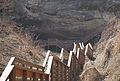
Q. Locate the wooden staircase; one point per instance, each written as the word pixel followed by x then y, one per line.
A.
pixel 65 67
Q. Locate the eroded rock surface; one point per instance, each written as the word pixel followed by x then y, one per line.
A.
pixel 91 74
pixel 59 19
pixel 107 53
pixel 16 43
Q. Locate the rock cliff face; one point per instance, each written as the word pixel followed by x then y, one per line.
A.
pixel 107 53
pixel 61 19
pixel 66 20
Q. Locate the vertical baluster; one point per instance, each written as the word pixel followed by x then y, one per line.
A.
pixel 46 78
pixel 68 74
pixel 61 79
pixel 52 73
pixel 58 71
pixel 65 71
pixel 24 75
pixel 34 76
pixel 12 76
pixel 62 70
pixel 41 77
pixel 55 70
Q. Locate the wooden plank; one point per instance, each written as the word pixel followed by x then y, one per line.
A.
pixel 89 52
pixel 35 76
pixel 46 58
pixel 60 62
pixel 83 45
pixel 7 70
pixel 29 75
pixel 86 49
pixel 24 75
pixel 61 54
pixel 90 46
pixel 65 73
pixel 48 69
pixel 60 70
pixel 80 44
pixel 74 48
pixel 6 73
pixel 70 58
pixel 78 52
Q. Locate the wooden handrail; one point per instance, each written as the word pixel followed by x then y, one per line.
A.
pixel 70 58
pixel 49 65
pixel 61 54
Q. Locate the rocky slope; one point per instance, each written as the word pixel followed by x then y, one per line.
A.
pixel 16 43
pixel 107 52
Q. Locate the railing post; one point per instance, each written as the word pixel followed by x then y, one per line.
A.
pixel 61 54
pixel 80 44
pixel 49 65
pixel 90 46
pixel 70 59
pixel 89 52
pixel 74 48
pixel 70 64
pixel 78 53
pixel 83 45
pixel 46 58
